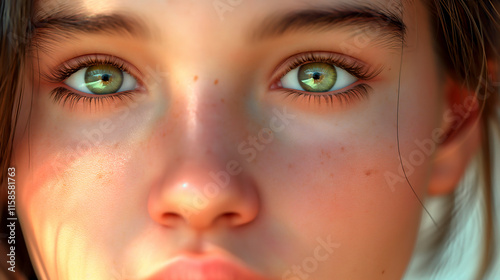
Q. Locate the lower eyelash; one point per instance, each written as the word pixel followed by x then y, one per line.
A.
pixel 358 92
pixel 63 95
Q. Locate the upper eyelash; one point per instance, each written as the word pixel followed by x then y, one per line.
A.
pixel 70 67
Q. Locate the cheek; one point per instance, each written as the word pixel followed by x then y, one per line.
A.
pixel 74 182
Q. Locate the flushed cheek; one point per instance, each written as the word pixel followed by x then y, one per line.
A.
pixel 76 189
pixel 75 211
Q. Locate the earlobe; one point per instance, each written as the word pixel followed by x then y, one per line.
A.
pixel 462 123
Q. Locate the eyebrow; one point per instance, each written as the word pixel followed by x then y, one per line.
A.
pixel 61 25
pixel 390 23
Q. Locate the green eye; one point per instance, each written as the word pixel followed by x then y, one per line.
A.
pixel 103 79
pixel 317 77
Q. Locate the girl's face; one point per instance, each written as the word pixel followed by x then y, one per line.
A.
pixel 258 133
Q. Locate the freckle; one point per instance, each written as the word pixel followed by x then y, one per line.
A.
pixel 368 172
pixel 290 166
pixel 195 78
pixel 326 153
pixel 163 134
pixel 383 271
pixel 342 148
pixel 331 175
pixel 391 146
pixel 216 82
pixel 99 176
pixel 322 163
pixel 222 100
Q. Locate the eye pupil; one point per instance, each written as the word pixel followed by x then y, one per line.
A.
pixel 316 75
pixel 105 77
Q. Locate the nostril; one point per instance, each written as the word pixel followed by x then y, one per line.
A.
pixel 231 218
pixel 171 219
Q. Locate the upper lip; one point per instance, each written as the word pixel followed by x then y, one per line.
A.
pixel 204 268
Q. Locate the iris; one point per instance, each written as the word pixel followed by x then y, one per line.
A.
pixel 317 77
pixel 103 79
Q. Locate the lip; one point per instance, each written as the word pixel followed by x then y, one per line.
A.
pixel 204 268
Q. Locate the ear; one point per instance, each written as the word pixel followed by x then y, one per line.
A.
pixel 461 140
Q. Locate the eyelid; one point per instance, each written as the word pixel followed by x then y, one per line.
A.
pixel 69 67
pixel 353 66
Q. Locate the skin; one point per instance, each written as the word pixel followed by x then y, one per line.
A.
pixel 130 203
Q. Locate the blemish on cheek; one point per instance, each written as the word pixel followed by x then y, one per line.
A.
pixel 216 82
pixel 195 78
pixel 369 172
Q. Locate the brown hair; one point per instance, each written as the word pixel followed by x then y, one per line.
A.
pixel 15 30
pixel 466 33
pixel 468 36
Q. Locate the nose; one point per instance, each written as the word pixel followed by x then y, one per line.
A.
pixel 206 184
pixel 202 197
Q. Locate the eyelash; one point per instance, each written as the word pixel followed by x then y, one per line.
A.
pixel 353 67
pixel 63 95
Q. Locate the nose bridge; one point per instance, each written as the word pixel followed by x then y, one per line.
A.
pixel 211 107
pixel 209 122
